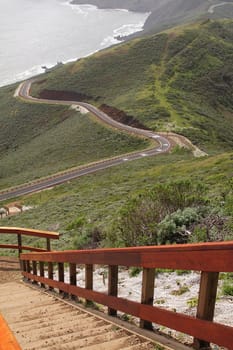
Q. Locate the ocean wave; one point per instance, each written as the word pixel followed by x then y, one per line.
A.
pixel 122 10
pixel 81 9
pixel 109 40
pixel 70 60
pixel 33 71
pixel 128 29
pixel 123 31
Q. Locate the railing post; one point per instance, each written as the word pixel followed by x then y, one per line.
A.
pixel 48 244
pixel 50 264
pixel 112 286
pixel 206 302
pixel 23 265
pixel 50 273
pixel 73 278
pixel 28 268
pixel 42 272
pixel 60 274
pixel 19 244
pixel 147 297
pixel 88 280
pixel 34 270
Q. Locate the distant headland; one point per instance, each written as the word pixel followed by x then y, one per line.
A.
pixel 164 13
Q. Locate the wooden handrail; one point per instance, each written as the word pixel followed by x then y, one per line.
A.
pixel 23 247
pixel 199 257
pixel 27 232
pixel 209 258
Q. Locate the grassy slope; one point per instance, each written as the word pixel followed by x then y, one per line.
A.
pixel 178 80
pixel 37 140
pixel 97 198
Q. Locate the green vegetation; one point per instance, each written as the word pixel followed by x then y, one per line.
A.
pixel 227 288
pixel 159 347
pixel 174 212
pixel 182 272
pixel 182 290
pixel 37 140
pixel 160 301
pixel 134 271
pixel 227 285
pixel 178 80
pixel 192 302
pixel 93 204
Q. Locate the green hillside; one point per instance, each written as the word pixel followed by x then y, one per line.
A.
pixel 37 140
pixel 86 210
pixel 178 80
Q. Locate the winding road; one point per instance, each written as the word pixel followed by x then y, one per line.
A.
pixel 214 6
pixel 163 145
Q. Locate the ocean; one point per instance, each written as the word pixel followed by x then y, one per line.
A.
pixel 35 34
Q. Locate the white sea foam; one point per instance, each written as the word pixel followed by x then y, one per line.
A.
pixel 33 71
pixel 123 31
pixel 36 36
pixel 108 41
pixel 128 29
pixel 36 70
pixel 81 9
pixel 70 60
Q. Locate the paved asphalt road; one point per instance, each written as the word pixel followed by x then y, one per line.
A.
pixel 163 146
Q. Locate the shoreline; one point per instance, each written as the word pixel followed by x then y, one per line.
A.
pixel 119 35
pixel 164 14
pixel 129 5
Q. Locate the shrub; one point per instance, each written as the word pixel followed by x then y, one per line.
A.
pixel 134 271
pixel 227 288
pixel 182 289
pixel 182 272
pixel 174 226
pixel 76 224
pixel 159 215
pixel 192 302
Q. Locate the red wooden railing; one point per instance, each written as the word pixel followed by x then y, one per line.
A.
pixel 209 258
pixel 19 232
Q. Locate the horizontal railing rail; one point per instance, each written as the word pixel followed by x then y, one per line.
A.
pixel 19 232
pixel 23 247
pixel 208 258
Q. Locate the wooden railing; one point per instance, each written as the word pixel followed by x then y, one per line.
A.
pixel 19 232
pixel 209 258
